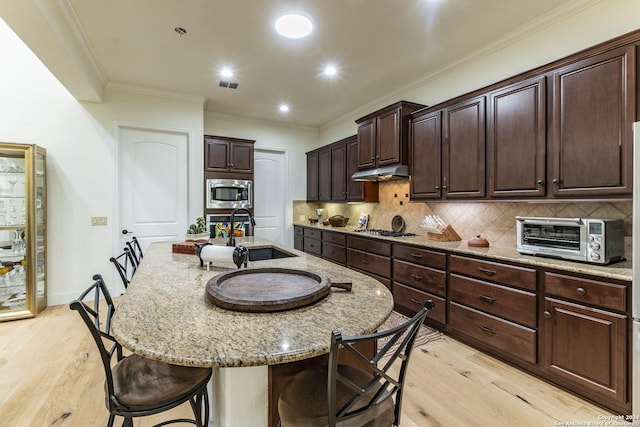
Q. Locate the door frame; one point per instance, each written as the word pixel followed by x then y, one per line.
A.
pixel 192 180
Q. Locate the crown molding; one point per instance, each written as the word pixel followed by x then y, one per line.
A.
pixel 158 93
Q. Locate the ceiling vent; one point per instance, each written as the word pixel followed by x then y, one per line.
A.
pixel 230 85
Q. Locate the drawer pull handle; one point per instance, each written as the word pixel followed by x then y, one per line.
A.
pixel 365 261
pixel 487 330
pixel 581 291
pixel 416 255
pixel 416 277
pixel 415 301
pixel 487 271
pixel 487 298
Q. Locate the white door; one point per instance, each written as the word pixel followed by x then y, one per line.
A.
pixel 269 194
pixel 152 185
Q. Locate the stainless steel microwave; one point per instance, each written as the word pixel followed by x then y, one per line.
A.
pixel 596 241
pixel 228 193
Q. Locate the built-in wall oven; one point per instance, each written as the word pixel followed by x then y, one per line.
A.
pixel 228 193
pixel 592 240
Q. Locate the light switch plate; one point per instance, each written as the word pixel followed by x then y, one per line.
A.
pixel 98 220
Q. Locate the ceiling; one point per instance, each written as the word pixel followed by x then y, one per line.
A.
pixel 380 47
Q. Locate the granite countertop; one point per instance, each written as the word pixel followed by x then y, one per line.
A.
pixel 617 271
pixel 164 315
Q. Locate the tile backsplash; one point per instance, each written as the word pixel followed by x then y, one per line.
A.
pixel 493 220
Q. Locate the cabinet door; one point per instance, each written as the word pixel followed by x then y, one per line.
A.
pixel 216 155
pixel 593 110
pixel 516 140
pixel 324 175
pixel 425 141
pixel 241 157
pixel 355 189
pixel 464 149
pixel 388 138
pixel 587 347
pixel 312 176
pixel 339 172
pixel 366 143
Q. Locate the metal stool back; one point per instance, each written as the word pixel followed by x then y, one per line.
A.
pixel 136 386
pixel 125 266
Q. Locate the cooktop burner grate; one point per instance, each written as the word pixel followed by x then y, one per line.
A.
pixel 388 233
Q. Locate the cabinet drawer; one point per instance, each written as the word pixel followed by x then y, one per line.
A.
pixel 335 253
pixel 332 237
pixel 424 278
pixel 602 294
pixel 312 246
pixel 298 231
pixel 420 256
pixel 412 300
pixel 372 263
pixel 370 245
pixel 510 338
pixel 502 273
pixel 511 304
pixel 314 234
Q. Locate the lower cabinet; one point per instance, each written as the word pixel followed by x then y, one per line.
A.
pixel 312 243
pixel 334 247
pixel 298 237
pixel 586 337
pixel 419 275
pixel 371 257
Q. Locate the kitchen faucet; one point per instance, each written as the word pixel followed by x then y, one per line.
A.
pixel 232 236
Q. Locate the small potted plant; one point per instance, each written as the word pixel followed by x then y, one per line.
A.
pixel 197 231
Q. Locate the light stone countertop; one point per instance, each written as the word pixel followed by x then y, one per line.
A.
pixel 617 271
pixel 163 314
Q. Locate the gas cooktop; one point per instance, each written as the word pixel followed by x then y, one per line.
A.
pixel 388 233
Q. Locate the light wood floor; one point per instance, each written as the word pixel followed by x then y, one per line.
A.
pixel 50 375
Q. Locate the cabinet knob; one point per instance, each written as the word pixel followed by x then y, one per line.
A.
pixel 371 157
pixel 581 291
pixel 556 181
pixel 539 182
pixel 230 165
pixel 377 157
pixel 444 187
pixel 547 315
pixel 437 187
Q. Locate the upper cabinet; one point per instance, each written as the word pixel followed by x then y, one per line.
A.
pixel 228 156
pixel 448 151
pixel 383 136
pixel 591 132
pixel 329 170
pixel 516 140
pixel 463 150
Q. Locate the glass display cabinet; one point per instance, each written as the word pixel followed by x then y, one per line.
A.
pixel 23 290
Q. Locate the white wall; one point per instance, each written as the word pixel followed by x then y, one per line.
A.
pixel 79 138
pixel 516 52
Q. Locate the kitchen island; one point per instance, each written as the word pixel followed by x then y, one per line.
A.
pixel 164 315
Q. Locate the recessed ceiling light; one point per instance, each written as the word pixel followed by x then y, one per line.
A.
pixel 284 108
pixel 226 72
pixel 330 70
pixel 294 25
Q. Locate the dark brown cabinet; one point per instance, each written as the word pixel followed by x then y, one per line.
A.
pixel 358 191
pixel 448 152
pixel 371 257
pixel 591 133
pixel 227 156
pixel 516 140
pixel 312 176
pixel 419 275
pixel 334 247
pixel 383 136
pixel 494 305
pixel 586 337
pixel 339 159
pixel 426 156
pixel 463 149
pixel 298 237
pixel 324 175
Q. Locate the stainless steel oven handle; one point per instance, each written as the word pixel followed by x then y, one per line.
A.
pixel 544 220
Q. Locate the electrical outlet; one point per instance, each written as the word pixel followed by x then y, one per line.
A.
pixel 301 218
pixel 98 220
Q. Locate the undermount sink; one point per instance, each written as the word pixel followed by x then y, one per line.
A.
pixel 270 252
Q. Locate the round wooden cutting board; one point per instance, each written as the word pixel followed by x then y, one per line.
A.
pixel 263 290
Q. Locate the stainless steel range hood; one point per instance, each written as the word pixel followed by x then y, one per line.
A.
pixel 386 173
